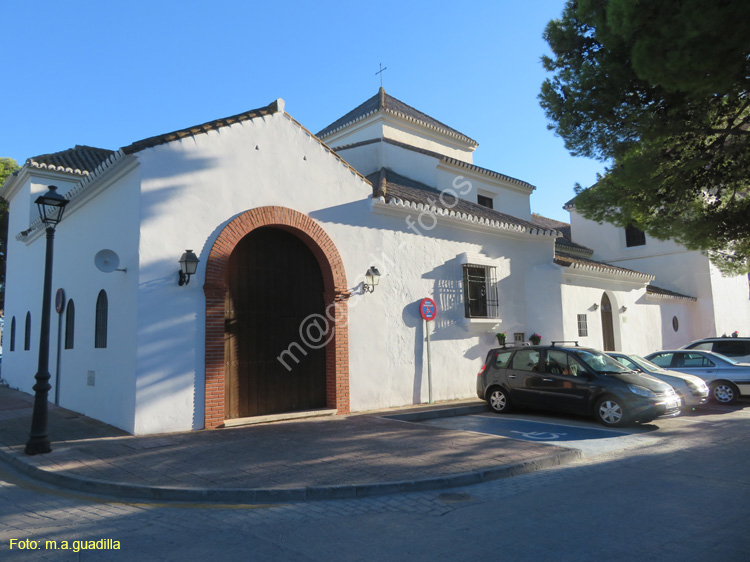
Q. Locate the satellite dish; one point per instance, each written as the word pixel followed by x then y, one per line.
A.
pixel 107 261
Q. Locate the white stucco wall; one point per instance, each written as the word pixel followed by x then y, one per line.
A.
pixel 723 302
pixel 428 139
pixel 193 187
pixel 96 382
pixel 732 304
pixel 388 357
pixel 512 201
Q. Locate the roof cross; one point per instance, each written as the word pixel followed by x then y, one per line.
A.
pixel 381 73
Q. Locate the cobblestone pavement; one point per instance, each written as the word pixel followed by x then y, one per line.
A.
pixel 344 456
pixel 682 499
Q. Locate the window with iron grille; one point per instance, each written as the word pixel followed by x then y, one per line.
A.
pixel 634 236
pixel 70 323
pixel 583 326
pixel 100 331
pixel 480 292
pixel 485 201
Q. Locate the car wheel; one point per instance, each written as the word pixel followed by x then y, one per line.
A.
pixel 724 392
pixel 610 412
pixel 498 400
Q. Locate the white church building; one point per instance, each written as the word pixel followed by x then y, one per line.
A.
pixel 280 317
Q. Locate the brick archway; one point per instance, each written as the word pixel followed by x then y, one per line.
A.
pixel 336 295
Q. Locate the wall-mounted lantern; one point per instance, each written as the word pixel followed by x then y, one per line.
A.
pixel 595 306
pixel 624 309
pixel 372 278
pixel 188 266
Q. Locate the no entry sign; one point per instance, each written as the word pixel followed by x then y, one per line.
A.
pixel 427 309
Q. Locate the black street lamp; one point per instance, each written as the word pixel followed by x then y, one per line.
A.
pixel 51 206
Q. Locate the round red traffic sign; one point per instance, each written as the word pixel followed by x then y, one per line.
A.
pixel 59 301
pixel 427 309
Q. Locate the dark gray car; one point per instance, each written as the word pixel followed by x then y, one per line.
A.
pixel 573 379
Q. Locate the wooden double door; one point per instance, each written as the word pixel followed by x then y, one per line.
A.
pixel 274 303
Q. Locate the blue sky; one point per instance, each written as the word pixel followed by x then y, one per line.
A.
pixel 107 74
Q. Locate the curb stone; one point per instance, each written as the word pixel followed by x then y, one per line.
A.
pixel 287 495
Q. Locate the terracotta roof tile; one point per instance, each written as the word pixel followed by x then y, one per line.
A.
pixel 655 291
pixel 385 102
pixel 392 186
pixel 577 262
pixel 81 160
pixel 203 128
pixel 442 157
pixel 564 242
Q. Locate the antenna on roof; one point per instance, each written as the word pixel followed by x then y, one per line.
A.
pixel 381 73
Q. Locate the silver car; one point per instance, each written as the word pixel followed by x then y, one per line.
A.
pixel 691 389
pixel 726 378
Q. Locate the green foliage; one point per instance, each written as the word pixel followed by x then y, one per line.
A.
pixel 660 89
pixel 7 167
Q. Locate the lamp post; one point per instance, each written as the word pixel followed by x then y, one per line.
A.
pixel 51 206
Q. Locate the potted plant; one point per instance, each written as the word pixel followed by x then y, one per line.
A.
pixel 501 337
pixel 535 338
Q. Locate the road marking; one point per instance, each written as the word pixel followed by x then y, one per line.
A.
pixel 542 435
pixel 592 428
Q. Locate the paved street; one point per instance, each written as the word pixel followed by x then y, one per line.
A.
pixel 684 495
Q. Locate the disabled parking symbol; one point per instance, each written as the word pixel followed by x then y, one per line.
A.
pixel 539 435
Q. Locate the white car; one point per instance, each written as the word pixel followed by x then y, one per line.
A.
pixel 735 348
pixel 726 378
pixel 693 390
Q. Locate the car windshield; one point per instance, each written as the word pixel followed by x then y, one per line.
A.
pixel 600 363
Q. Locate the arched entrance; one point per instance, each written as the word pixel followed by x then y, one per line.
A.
pixel 275 287
pixel 260 258
pixel 608 331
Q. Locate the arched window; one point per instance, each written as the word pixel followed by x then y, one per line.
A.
pixel 100 331
pixel 27 333
pixel 13 334
pixel 70 324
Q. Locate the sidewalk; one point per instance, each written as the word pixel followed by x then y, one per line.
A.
pixel 324 458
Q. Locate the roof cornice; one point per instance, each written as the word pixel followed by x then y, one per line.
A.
pixel 105 175
pixel 403 207
pixel 520 185
pixel 327 148
pixel 447 162
pixel 277 106
pixel 18 178
pixel 591 268
pixel 382 107
pixel 653 292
